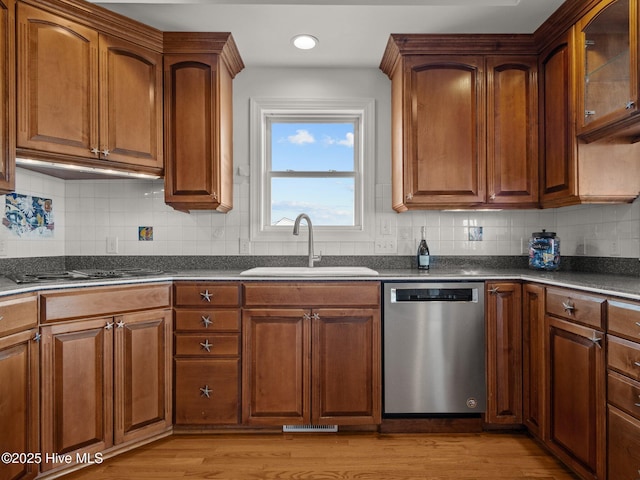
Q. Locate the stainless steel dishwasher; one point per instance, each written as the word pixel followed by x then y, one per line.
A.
pixel 434 348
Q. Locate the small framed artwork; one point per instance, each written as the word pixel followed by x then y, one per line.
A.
pixel 145 234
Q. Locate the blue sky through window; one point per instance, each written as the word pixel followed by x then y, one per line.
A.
pixel 319 147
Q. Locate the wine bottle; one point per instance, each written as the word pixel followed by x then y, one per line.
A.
pixel 423 253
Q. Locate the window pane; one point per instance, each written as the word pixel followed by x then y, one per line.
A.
pixel 327 201
pixel 312 146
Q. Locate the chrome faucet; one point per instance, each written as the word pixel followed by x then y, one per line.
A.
pixel 296 231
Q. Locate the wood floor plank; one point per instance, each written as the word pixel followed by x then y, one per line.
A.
pixel 329 456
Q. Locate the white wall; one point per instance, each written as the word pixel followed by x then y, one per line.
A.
pixel 87 212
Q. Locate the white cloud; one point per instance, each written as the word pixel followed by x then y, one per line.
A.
pixel 347 141
pixel 301 137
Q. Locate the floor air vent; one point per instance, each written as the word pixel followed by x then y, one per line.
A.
pixel 309 428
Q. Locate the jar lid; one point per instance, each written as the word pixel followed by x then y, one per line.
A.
pixel 544 234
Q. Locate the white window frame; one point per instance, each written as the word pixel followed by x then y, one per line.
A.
pixel 360 110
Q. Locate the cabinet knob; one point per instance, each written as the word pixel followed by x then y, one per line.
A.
pixel 630 104
pixel 108 326
pixel 205 391
pixel 206 296
pixel 206 321
pixel 596 340
pixel 120 324
pixel 637 364
pixel 95 151
pixel 494 290
pixel 37 337
pixel 492 196
pixel 637 404
pixel 306 316
pixel 409 196
pixel 316 316
pixel 568 307
pixel 105 152
pixel 206 345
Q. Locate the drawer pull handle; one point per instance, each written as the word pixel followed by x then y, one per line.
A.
pixel 206 321
pixel 568 307
pixel 205 391
pixel 206 345
pixel 206 296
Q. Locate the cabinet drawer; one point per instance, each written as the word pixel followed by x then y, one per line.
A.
pixel 101 301
pixel 208 320
pixel 198 294
pixel 311 294
pixel 624 319
pixel 624 446
pixel 207 392
pixel 211 345
pixel 624 356
pixel 624 393
pixel 17 313
pixel 574 306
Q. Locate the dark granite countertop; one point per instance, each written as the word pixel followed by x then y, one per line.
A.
pixel 607 284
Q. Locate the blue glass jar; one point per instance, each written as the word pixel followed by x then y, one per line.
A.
pixel 544 251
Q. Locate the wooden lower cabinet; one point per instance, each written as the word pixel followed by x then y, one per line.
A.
pixel 503 302
pixel 533 358
pixel 104 382
pixel 311 367
pixel 315 365
pixel 576 398
pixel 19 395
pixel 207 354
pixel 19 384
pixel 624 446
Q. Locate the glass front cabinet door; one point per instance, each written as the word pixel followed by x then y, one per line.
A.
pixel 607 60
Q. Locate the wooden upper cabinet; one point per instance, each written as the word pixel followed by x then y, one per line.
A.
pixel 512 130
pixel 198 72
pixel 443 150
pixel 57 84
pixel 572 170
pixel 607 71
pixel 86 98
pixel 464 121
pixel 557 165
pixel 7 96
pixel 131 104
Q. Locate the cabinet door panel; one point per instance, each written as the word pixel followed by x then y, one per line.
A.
pixel 220 378
pixel 276 368
pixel 512 130
pixel 19 394
pixel 57 84
pixel 193 168
pixel 533 359
pixel 624 446
pixel 576 408
pixel 77 388
pixel 446 161
pixel 142 374
pixel 346 366
pixel 131 112
pixel 557 128
pixel 504 353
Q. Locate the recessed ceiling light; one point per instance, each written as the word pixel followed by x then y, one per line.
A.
pixel 304 41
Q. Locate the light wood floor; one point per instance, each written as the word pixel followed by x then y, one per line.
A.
pixel 332 456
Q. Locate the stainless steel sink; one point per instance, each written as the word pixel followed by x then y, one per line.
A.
pixel 309 272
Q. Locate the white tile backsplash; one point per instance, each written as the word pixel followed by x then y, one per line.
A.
pixel 89 211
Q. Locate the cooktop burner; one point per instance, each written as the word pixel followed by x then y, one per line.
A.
pixel 90 274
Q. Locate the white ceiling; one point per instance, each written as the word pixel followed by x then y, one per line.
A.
pixel 352 33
